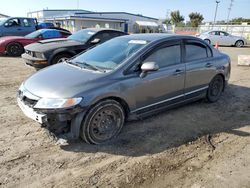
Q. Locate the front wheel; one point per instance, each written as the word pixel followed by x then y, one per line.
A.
pixel 103 122
pixel 215 89
pixel 60 58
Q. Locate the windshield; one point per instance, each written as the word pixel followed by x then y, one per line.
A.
pixel 109 55
pixel 2 20
pixel 82 35
pixel 33 35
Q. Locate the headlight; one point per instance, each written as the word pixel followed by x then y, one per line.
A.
pixel 45 103
pixel 39 55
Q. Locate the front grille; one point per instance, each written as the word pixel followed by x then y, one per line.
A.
pixel 27 101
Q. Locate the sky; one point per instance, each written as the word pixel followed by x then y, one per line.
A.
pixel 152 8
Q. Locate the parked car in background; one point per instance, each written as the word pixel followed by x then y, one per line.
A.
pixel 223 38
pixel 49 25
pixel 17 26
pixel 133 76
pixel 49 52
pixel 45 25
pixel 14 45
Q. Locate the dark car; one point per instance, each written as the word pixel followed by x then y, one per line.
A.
pixel 125 78
pixel 49 52
pixel 14 45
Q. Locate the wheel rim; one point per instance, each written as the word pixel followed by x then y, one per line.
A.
pixel 239 43
pixel 216 87
pixel 62 59
pixel 105 123
pixel 14 49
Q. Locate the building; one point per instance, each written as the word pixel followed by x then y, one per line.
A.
pixel 3 16
pixel 75 20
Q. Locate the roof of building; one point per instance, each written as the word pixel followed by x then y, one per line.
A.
pixel 87 11
pixel 139 15
pixel 86 17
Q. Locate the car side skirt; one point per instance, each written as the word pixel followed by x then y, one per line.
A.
pixel 169 103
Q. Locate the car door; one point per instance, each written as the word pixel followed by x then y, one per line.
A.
pixel 164 86
pixel 200 68
pixel 28 26
pixel 225 39
pixel 13 27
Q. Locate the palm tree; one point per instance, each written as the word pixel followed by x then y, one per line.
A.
pixel 195 19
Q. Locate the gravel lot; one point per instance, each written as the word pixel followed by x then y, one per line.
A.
pixel 197 145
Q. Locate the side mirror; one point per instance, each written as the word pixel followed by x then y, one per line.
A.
pixel 95 41
pixel 148 66
pixel 40 37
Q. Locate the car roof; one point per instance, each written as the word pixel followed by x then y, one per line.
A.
pixel 157 36
pixel 102 29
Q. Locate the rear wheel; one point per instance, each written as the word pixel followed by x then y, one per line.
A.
pixel 215 89
pixel 60 58
pixel 14 49
pixel 103 122
pixel 239 43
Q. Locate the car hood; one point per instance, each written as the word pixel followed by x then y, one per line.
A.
pixel 51 44
pixel 62 81
pixel 11 38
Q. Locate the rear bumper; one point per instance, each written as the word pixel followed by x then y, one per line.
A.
pixel 35 62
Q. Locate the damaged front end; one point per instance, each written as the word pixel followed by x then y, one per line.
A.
pixel 60 116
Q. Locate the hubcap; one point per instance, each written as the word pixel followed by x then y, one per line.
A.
pixel 239 43
pixel 14 49
pixel 62 59
pixel 216 88
pixel 105 123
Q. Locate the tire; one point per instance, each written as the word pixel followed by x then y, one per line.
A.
pixel 102 122
pixel 215 89
pixel 60 58
pixel 14 49
pixel 239 43
pixel 207 41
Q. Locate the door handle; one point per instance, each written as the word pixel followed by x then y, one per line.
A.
pixel 209 65
pixel 19 29
pixel 178 72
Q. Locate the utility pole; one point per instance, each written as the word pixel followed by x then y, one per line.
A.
pixel 77 4
pixel 229 11
pixel 215 14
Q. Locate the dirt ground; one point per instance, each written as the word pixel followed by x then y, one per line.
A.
pixel 197 145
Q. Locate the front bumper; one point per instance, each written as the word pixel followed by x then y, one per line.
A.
pixel 35 62
pixel 29 112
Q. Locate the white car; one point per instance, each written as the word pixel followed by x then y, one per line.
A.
pixel 223 38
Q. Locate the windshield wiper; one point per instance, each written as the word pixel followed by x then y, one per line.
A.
pixel 93 67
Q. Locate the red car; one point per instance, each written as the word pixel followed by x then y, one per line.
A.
pixel 14 45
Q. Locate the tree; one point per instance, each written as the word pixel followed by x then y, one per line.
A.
pixel 176 18
pixel 195 19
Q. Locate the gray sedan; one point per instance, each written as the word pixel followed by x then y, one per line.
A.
pixel 129 77
pixel 223 38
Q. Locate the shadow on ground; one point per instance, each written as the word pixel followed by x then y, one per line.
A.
pixel 178 126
